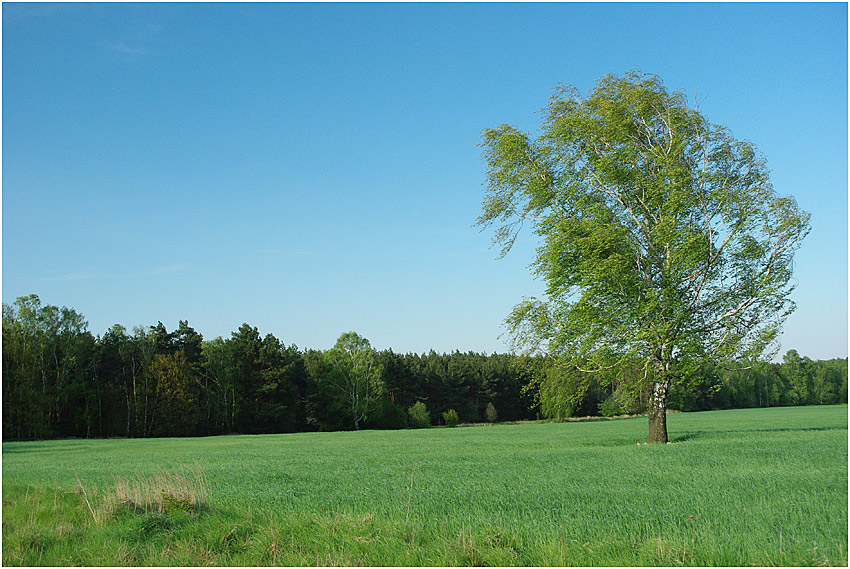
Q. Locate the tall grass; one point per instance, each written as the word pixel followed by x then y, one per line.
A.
pixel 184 489
pixel 747 487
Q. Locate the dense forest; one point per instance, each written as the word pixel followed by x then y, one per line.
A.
pixel 60 380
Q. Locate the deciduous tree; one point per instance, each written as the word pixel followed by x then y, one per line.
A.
pixel 662 239
pixel 354 376
pixel 177 410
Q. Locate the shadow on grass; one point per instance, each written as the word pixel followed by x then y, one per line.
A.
pixel 791 429
pixel 687 436
pixel 691 435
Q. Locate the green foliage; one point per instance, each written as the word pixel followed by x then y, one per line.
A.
pixel 60 381
pixel 176 405
pixel 47 351
pixel 559 390
pixel 420 418
pixel 492 414
pixel 388 416
pixel 662 240
pixel 221 383
pixel 450 418
pixel 521 495
pixel 614 405
pixel 353 377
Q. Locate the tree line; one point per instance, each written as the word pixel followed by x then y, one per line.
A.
pixel 60 380
pixel 798 380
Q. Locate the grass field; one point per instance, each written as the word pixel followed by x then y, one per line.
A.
pixel 742 487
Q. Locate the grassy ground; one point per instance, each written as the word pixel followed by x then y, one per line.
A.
pixel 743 487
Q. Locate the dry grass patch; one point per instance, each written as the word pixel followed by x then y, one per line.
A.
pixel 185 490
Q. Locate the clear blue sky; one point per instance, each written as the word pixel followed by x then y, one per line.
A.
pixel 313 168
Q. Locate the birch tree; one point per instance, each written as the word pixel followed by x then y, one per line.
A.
pixel 354 378
pixel 662 240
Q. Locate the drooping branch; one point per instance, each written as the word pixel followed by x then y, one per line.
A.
pixel 663 239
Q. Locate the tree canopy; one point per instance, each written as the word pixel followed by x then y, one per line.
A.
pixel 662 241
pixel 355 376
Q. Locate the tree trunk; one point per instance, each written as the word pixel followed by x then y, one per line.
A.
pixel 129 411
pixel 657 412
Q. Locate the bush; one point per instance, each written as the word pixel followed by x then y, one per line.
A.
pixel 492 415
pixel 420 418
pixel 451 418
pixel 610 407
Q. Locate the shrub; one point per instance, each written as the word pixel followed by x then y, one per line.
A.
pixel 419 416
pixel 610 407
pixel 451 418
pixel 492 415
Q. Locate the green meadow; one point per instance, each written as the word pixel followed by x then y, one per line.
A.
pixel 738 487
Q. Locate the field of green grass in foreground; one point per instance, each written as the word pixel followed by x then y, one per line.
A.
pixel 742 487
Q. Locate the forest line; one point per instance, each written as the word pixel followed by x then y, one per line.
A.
pixel 60 380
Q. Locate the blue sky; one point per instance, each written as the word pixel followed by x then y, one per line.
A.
pixel 312 169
